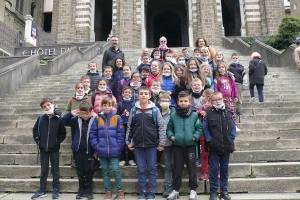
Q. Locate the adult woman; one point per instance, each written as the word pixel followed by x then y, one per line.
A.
pixel 257 71
pixel 163 48
pixel 202 42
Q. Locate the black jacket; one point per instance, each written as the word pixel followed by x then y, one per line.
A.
pixel 220 126
pixel 52 133
pixel 94 77
pixel 238 71
pixel 257 71
pixel 110 55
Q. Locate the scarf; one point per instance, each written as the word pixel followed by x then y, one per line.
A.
pixel 196 95
pixel 183 112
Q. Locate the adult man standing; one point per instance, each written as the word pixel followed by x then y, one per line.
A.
pixel 112 53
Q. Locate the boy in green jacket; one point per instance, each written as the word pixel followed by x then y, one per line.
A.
pixel 184 130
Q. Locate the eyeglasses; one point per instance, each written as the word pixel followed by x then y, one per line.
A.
pixel 163 41
pixel 215 100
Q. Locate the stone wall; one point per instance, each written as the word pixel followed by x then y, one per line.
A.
pixel 274 10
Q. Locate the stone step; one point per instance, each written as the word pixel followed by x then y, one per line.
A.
pixel 269 118
pixel 269 110
pixel 239 196
pixel 279 155
pixel 278 169
pixel 268 134
pixel 238 185
pixel 259 105
pixel 269 125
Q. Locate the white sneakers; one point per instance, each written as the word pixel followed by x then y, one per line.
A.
pixel 174 195
pixel 193 195
pixel 131 163
pixel 122 163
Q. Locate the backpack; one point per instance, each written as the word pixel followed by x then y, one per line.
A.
pixel 40 126
pixel 154 115
pixel 120 107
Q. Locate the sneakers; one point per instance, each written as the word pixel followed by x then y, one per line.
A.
pixel 132 163
pixel 39 194
pixel 73 164
pixel 239 113
pixel 251 100
pixel 237 129
pixel 167 191
pixel 150 195
pixel 203 177
pixel 193 195
pixel 213 197
pixel 224 195
pixel 174 195
pixel 198 164
pixel 158 164
pixel 121 195
pixel 55 193
pixel 108 195
pixel 80 193
pixel 142 195
pixel 89 193
pixel 122 163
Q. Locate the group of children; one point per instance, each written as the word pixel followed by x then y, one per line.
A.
pixel 158 108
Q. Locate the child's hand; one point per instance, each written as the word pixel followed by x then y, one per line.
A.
pixel 232 78
pixel 160 148
pixel 95 156
pixel 203 113
pixel 173 138
pixel 236 100
pixel 130 147
pixel 75 112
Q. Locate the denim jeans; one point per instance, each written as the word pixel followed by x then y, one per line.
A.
pixel 217 161
pixel 168 165
pixel 260 91
pixel 146 160
pixel 113 163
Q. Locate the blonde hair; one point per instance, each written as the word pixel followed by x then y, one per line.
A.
pixel 208 92
pixel 173 75
pixel 205 49
pixel 196 80
pixel 206 65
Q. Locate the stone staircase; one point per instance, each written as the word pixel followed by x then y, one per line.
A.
pixel 267 145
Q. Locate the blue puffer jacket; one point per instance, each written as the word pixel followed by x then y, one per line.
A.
pixel 76 123
pixel 107 135
pixel 168 85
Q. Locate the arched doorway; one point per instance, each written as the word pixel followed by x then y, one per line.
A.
pixel 169 19
pixel 103 19
pixel 231 17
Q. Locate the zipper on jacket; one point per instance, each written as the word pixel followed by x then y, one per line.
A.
pixel 107 136
pixel 143 129
pixel 79 134
pixel 222 130
pixel 48 134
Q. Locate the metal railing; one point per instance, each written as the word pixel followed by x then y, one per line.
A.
pixel 9 38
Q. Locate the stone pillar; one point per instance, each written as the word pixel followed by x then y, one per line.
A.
pixel 2 8
pixel 274 12
pixel 242 11
pixel 190 20
pixel 83 16
pixel 253 17
pixel 143 24
pixel 28 24
pixel 92 30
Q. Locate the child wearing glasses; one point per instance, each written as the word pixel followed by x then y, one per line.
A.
pixel 226 86
pixel 219 130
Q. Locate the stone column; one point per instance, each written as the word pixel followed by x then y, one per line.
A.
pixel 143 24
pixel 92 31
pixel 253 17
pixel 242 11
pixel 28 24
pixel 190 20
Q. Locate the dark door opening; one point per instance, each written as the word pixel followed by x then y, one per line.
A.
pixel 231 17
pixel 47 22
pixel 168 24
pixel 169 19
pixel 103 19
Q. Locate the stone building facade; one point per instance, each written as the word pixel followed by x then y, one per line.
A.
pixel 140 23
